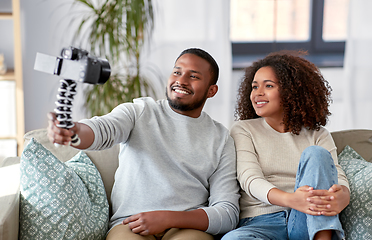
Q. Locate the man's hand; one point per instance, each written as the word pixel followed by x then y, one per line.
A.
pixel 56 134
pixel 149 223
pixel 63 136
pixel 330 202
pixel 156 222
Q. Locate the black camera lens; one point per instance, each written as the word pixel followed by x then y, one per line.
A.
pixel 105 71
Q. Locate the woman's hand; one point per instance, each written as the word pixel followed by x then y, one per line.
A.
pixel 330 202
pixel 300 201
pixel 297 200
pixel 314 202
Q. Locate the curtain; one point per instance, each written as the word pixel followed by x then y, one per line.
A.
pixel 357 89
pixel 182 24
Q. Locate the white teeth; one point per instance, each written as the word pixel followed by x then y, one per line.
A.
pixel 261 102
pixel 181 91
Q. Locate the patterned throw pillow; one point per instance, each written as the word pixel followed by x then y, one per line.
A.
pixel 61 200
pixel 356 218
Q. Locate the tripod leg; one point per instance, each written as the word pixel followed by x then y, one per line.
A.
pixel 65 97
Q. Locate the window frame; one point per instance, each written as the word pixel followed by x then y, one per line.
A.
pixel 322 53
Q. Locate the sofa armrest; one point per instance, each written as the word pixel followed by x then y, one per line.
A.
pixel 9 198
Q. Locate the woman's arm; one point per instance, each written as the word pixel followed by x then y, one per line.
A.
pixel 249 171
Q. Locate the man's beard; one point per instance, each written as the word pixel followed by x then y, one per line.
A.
pixel 175 104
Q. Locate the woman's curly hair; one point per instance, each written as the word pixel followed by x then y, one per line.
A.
pixel 305 94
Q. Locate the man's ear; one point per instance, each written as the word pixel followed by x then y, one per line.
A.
pixel 212 90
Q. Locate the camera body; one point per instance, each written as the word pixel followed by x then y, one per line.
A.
pixel 75 64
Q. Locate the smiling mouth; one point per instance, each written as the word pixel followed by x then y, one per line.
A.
pixel 181 90
pixel 260 103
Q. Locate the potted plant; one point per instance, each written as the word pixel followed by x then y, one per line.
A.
pixel 118 31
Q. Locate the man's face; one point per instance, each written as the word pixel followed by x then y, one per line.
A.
pixel 189 85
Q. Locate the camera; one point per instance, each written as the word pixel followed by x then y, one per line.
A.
pixel 75 64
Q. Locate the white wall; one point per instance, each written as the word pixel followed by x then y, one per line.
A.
pixel 45 28
pixel 181 24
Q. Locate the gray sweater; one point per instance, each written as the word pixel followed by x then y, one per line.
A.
pixel 169 161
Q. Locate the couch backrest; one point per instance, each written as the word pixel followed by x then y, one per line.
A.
pixel 107 161
pixel 359 139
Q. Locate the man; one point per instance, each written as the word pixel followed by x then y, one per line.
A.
pixel 177 167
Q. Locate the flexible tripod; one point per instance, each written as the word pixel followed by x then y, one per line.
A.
pixel 74 65
pixel 65 97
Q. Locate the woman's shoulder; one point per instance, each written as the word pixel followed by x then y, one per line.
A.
pixel 246 125
pixel 248 122
pixel 320 134
pixel 322 131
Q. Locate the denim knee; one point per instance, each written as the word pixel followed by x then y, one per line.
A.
pixel 316 153
pixel 316 169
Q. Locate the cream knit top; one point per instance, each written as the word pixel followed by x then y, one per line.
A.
pixel 267 159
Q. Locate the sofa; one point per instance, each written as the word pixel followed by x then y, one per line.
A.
pixel 106 161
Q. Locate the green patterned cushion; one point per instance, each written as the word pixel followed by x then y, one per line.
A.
pixel 356 218
pixel 61 200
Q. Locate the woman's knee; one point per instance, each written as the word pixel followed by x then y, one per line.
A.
pixel 316 154
pixel 233 235
pixel 316 169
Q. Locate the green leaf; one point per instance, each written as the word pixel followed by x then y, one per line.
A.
pixel 116 30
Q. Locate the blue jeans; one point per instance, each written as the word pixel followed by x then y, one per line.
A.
pixel 316 169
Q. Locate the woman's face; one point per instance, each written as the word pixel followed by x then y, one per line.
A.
pixel 265 95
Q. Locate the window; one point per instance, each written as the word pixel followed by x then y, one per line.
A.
pixel 335 20
pixel 259 27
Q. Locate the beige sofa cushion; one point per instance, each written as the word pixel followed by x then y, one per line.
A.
pixel 358 139
pixel 106 161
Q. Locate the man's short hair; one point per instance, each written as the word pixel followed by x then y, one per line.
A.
pixel 214 69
